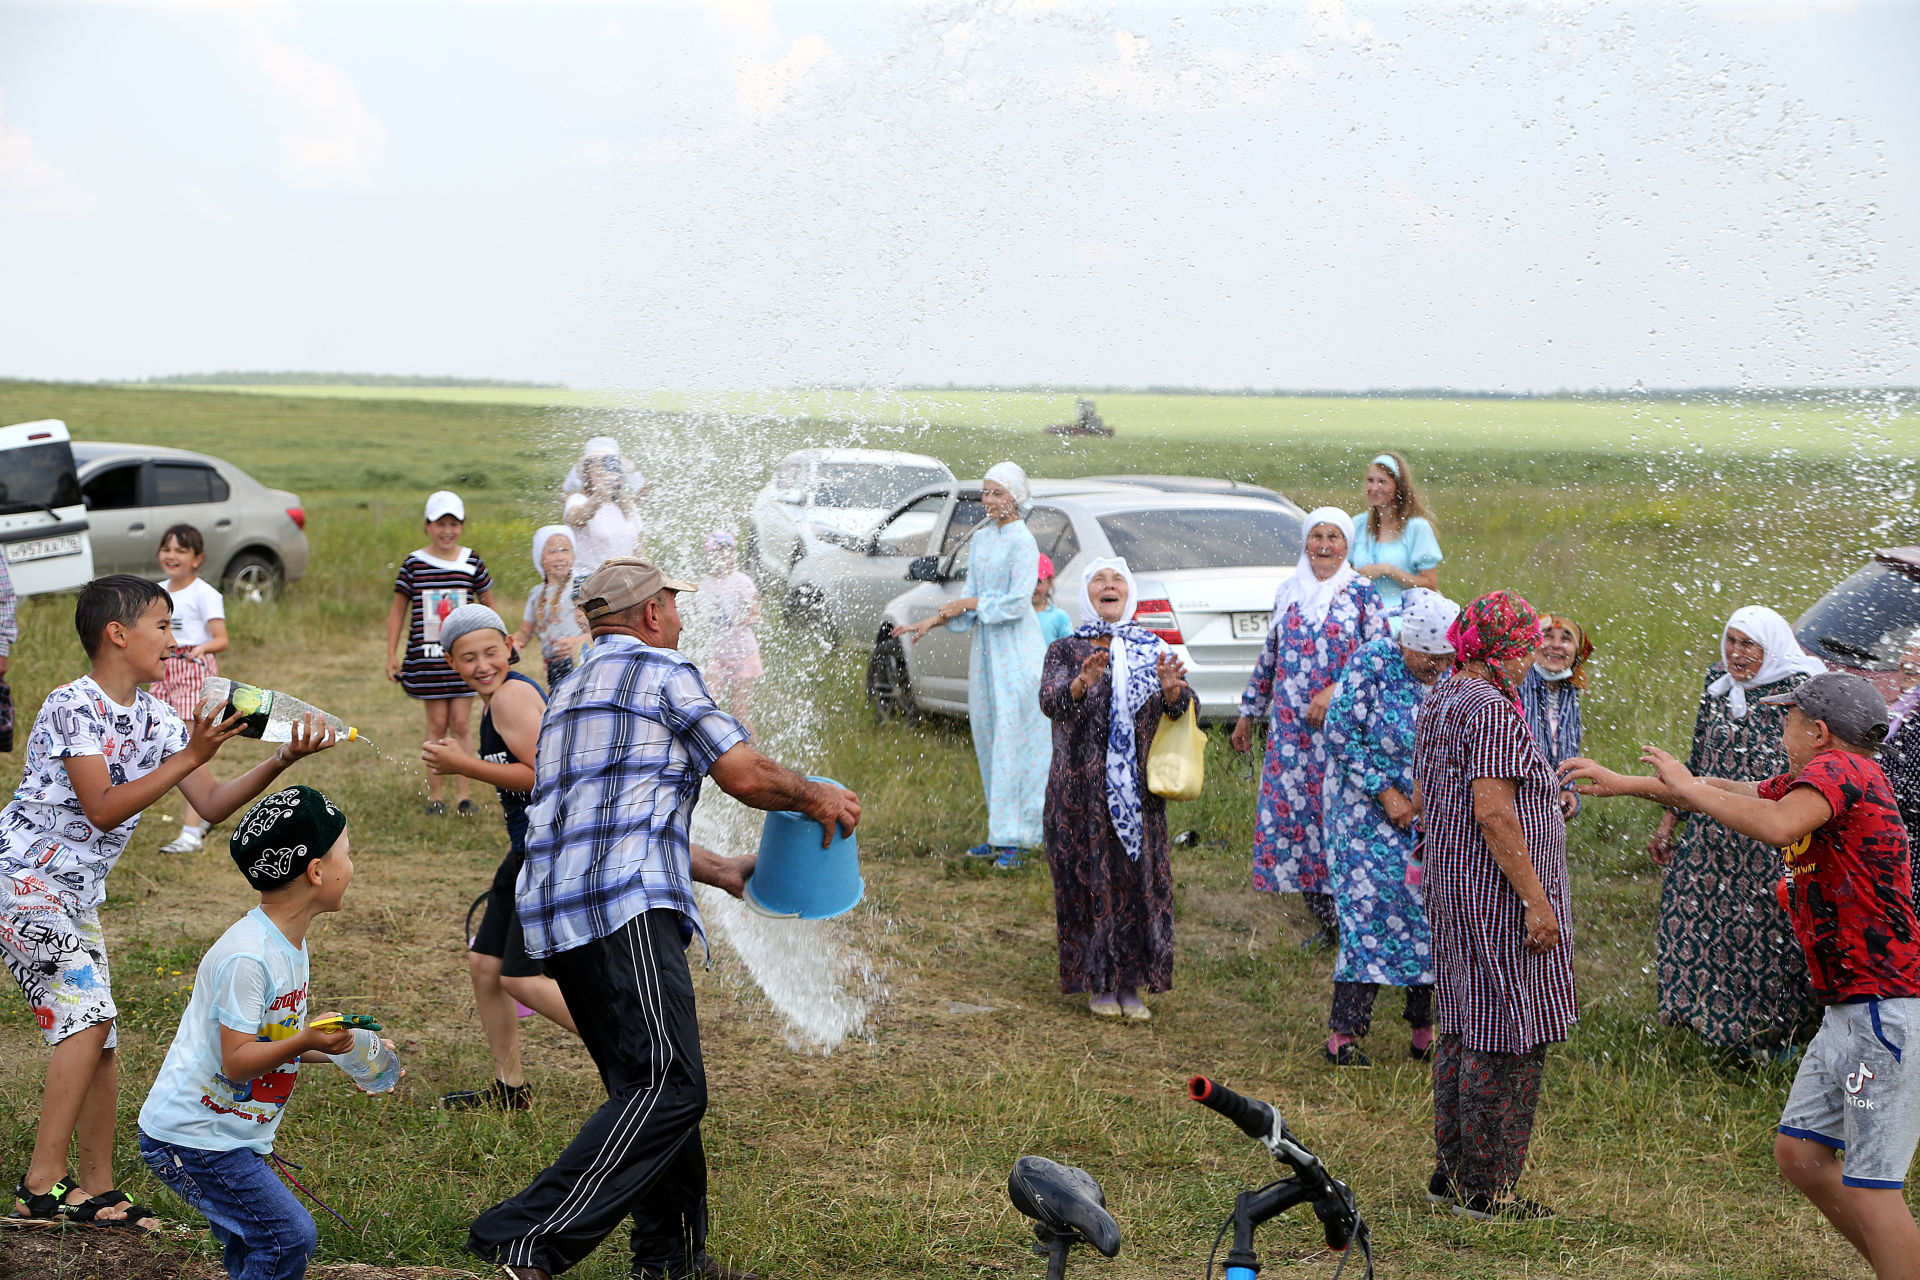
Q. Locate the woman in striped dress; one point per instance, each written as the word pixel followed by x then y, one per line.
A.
pixel 1495 877
pixel 431 584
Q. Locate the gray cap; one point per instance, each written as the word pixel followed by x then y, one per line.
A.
pixel 1851 706
pixel 468 618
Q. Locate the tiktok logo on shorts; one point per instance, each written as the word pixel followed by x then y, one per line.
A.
pixel 1855 1082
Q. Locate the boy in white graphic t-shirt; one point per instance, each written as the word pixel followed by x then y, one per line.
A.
pixel 100 753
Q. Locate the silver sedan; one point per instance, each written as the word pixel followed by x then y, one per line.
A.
pixel 1207 567
pixel 256 537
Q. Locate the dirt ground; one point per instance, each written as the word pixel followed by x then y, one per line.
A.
pixel 90 1253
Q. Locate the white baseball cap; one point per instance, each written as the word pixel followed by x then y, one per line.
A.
pixel 446 502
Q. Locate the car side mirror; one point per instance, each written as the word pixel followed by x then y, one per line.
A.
pixel 925 569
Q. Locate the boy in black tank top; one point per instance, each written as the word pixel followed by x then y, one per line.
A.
pixel 476 646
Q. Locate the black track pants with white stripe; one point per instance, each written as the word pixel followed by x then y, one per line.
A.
pixel 640 1153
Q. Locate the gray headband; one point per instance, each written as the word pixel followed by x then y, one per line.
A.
pixel 468 618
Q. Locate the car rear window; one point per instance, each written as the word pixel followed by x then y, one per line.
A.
pixel 862 484
pixel 35 477
pixel 1164 541
pixel 1865 621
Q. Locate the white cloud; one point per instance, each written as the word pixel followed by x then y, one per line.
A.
pixel 327 137
pixel 766 87
pixel 28 180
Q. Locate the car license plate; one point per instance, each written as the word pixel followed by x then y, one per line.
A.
pixel 1251 626
pixel 43 548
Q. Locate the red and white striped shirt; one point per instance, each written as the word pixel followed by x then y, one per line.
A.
pixel 1491 991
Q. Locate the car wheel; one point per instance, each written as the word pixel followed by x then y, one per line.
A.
pixel 253 579
pixel 889 687
pixel 807 610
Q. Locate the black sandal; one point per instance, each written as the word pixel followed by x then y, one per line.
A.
pixel 44 1209
pixel 88 1211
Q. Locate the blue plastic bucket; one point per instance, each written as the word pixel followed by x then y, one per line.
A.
pixel 796 878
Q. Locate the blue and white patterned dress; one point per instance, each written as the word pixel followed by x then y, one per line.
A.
pixel 1369 732
pixel 1011 735
pixel 1298 661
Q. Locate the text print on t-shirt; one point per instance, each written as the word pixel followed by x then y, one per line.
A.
pixel 261 1098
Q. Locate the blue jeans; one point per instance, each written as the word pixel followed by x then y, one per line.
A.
pixel 267 1234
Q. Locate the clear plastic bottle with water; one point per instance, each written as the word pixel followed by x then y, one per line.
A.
pixel 371 1062
pixel 270 715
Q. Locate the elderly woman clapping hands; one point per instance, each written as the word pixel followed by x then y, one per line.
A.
pixel 1105 688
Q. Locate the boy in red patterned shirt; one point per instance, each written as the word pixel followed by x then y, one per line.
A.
pixel 1849 892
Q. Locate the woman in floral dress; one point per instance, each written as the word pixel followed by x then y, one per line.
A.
pixel 1370 826
pixel 1730 969
pixel 1105 688
pixel 1321 615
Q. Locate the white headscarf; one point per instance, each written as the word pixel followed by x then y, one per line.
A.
pixel 1313 596
pixel 541 537
pixel 1424 618
pixel 1011 477
pixel 1782 655
pixel 1132 680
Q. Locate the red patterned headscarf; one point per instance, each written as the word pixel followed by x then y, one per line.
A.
pixel 1499 625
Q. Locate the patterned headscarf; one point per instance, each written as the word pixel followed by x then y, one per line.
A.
pixel 1426 620
pixel 1132 680
pixel 1576 672
pixel 1500 624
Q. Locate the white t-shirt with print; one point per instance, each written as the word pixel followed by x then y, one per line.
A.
pixel 193 609
pixel 44 829
pixel 253 981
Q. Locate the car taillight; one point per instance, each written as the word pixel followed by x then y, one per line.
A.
pixel 299 517
pixel 1157 617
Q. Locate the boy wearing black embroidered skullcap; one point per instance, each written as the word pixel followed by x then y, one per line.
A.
pixel 209 1121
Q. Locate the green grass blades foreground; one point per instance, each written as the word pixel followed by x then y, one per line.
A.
pixel 888 1158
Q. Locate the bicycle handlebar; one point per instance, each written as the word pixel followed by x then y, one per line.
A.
pixel 1254 1118
pixel 1333 1201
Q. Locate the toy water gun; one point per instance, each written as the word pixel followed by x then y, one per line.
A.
pixel 350 1021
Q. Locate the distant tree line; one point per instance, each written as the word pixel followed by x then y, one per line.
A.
pixel 295 378
pixel 1744 394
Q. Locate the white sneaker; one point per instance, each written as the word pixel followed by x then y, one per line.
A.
pixel 188 841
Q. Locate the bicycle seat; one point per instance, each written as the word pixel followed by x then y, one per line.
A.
pixel 1063 1200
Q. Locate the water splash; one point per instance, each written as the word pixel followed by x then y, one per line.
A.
pixel 811 974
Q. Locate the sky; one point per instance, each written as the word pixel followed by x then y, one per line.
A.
pixel 744 195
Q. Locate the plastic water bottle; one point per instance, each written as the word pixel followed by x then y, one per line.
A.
pixel 373 1065
pixel 270 715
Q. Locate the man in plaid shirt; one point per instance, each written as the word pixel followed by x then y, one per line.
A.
pixel 606 898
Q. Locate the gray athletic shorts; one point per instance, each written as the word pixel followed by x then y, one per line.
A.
pixel 1855 1093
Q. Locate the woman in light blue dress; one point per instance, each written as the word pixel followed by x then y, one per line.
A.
pixel 1011 735
pixel 1393 541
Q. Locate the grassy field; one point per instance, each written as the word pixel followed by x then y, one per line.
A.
pixel 1841 426
pixel 887 1158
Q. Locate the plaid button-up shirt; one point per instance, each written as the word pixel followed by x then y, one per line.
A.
pixel 625 743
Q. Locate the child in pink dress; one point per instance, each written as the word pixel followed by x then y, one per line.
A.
pixel 728 606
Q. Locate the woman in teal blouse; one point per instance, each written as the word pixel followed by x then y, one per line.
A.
pixel 1393 543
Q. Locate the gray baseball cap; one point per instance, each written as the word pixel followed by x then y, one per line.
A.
pixel 1851 706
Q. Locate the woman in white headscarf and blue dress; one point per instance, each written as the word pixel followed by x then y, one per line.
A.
pixel 1105 688
pixel 1010 736
pixel 1371 831
pixel 1322 614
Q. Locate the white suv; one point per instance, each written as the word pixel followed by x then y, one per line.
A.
pixel 830 495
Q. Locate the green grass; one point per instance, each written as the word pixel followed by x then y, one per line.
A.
pixel 1841 426
pixel 887 1159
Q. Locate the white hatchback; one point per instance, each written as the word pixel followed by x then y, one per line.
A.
pixel 43 523
pixel 830 495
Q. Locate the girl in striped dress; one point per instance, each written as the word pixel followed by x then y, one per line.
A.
pixel 431 584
